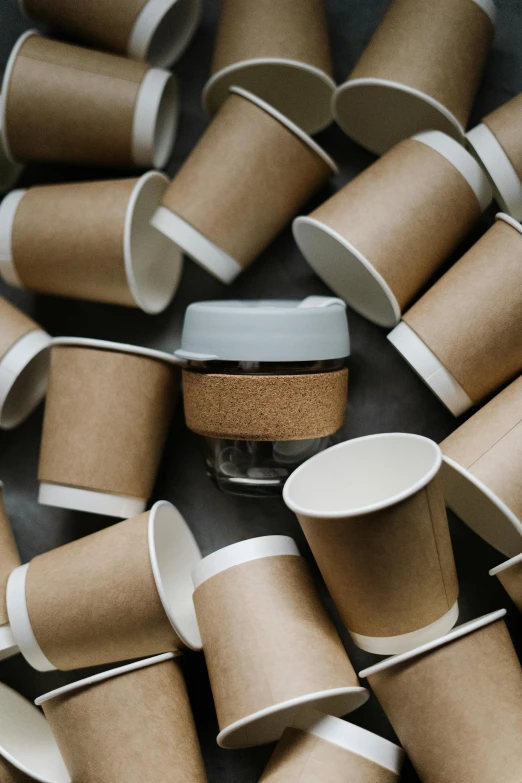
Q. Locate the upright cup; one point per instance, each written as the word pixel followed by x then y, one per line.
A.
pixel 379 240
pixel 123 592
pixel 24 365
pixel 267 167
pixel 106 421
pixel 127 725
pixel 270 647
pixel 280 51
pixel 318 747
pixel 464 336
pixel 90 240
pixel 481 471
pixel 496 143
pixel 157 31
pixel 420 71
pixel 67 104
pixel 456 704
pixel 509 574
pixel 373 513
pixel 28 750
pixel 9 560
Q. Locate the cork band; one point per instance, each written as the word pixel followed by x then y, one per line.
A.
pixel 265 407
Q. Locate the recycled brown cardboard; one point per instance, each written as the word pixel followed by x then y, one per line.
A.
pixel 9 774
pixel 504 123
pixel 267 170
pixel 265 407
pixel 468 687
pixel 9 557
pixel 68 104
pixel 13 325
pixel 130 727
pixel 472 317
pixel 255 620
pixel 106 419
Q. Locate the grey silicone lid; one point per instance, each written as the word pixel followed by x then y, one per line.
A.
pixel 266 330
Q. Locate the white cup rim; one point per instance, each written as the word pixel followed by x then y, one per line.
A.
pixel 108 345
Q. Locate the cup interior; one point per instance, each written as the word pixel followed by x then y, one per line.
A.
pixel 27 391
pixel 166 124
pixel 173 32
pixel 362 475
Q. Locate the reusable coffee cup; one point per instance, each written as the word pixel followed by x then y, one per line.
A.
pixel 123 592
pixel 496 143
pixel 265 385
pixel 67 104
pixel 107 416
pixel 420 71
pixel 157 31
pixel 126 725
pixel 24 365
pixel 464 336
pixel 28 750
pixel 373 513
pixel 267 167
pixel 91 240
pixel 318 747
pixel 379 239
pixel 481 471
pixel 456 704
pixel 270 647
pixel 9 560
pixel 9 170
pixel 509 574
pixel 278 51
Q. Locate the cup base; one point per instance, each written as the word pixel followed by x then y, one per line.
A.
pixel 76 499
pixel 394 645
pixel 163 30
pixel 506 182
pixel 23 378
pixel 430 369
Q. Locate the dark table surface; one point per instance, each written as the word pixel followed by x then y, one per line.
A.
pixel 384 393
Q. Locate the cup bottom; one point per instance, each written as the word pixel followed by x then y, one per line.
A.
pixel 76 499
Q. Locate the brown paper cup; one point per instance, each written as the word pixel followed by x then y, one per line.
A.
pixel 91 240
pixel 373 513
pixel 320 748
pixel 127 725
pixel 9 560
pixel 267 166
pixel 123 592
pixel 456 704
pixel 67 104
pixel 496 144
pixel 158 32
pixel 481 471
pixel 420 71
pixel 278 51
pixel 24 365
pixel 270 647
pixel 9 170
pixel 464 337
pixel 107 416
pixel 28 750
pixel 380 239
pixel 509 575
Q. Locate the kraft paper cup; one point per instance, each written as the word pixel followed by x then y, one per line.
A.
pixel 278 51
pixel 123 592
pixel 495 142
pixel 10 172
pixel 9 560
pixel 464 336
pixel 456 704
pixel 91 240
pixel 68 104
pixel 270 647
pixel 379 240
pixel 420 71
pixel 224 235
pixel 482 467
pixel 28 750
pixel 107 416
pixel 373 513
pixel 318 747
pixel 509 574
pixel 157 31
pixel 24 365
pixel 129 723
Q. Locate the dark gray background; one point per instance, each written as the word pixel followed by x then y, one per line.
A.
pixel 384 393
